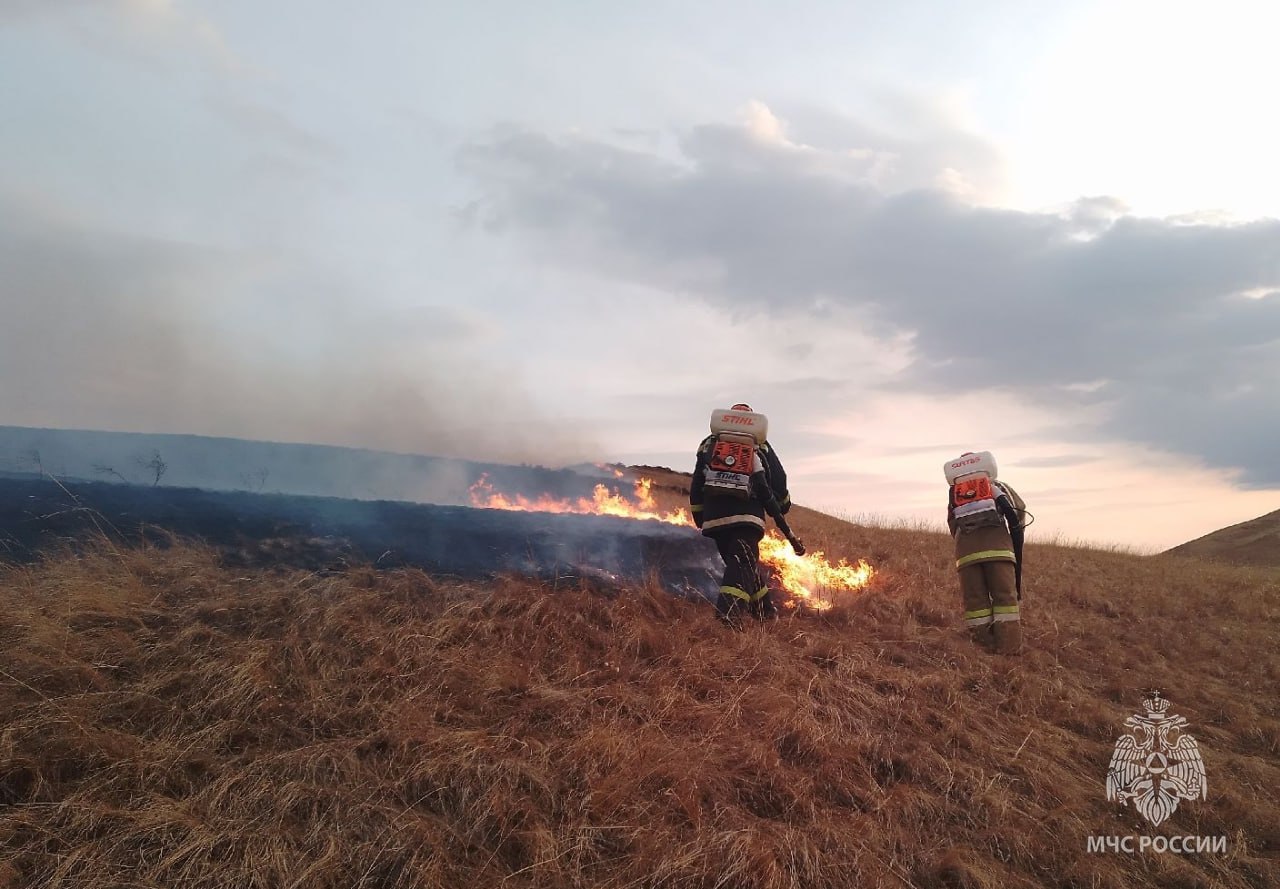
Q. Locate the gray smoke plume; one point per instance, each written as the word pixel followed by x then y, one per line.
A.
pixel 104 331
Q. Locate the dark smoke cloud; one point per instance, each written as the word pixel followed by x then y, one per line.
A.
pixel 1162 322
pixel 113 332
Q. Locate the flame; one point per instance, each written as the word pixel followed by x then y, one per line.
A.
pixel 809 579
pixel 602 502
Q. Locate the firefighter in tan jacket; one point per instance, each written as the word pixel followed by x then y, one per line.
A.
pixel 986 518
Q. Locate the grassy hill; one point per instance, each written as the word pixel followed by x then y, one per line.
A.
pixel 173 722
pixel 1255 542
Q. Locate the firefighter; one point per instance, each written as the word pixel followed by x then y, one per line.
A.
pixel 986 517
pixel 737 479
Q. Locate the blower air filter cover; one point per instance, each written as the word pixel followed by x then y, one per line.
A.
pixel 741 423
pixel 982 461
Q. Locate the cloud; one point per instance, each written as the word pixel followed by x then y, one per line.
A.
pixel 12 11
pixel 1157 324
pixel 921 142
pixel 1055 461
pixel 271 125
pixel 114 332
pixel 137 28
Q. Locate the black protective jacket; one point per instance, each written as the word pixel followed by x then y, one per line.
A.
pixel 715 511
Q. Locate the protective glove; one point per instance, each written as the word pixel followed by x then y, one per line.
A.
pixel 797 546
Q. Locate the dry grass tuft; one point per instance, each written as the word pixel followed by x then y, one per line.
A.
pixel 172 722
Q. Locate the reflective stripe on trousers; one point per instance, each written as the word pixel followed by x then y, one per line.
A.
pixel 985 555
pixel 979 617
pixel 736 593
pixel 1005 613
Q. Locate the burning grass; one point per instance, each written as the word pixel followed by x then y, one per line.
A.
pixel 171 722
pixel 810 581
pixel 603 501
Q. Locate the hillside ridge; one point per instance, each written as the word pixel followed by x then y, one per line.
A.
pixel 1254 542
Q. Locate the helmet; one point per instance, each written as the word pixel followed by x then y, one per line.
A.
pixel 741 407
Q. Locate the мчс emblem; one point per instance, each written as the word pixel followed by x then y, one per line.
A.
pixel 1158 765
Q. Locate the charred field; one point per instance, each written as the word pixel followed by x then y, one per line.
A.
pixel 330 533
pixel 208 714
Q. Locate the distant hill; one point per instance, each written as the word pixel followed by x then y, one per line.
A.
pixel 233 464
pixel 1255 542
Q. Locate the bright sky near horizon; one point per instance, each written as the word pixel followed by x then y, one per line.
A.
pixel 568 230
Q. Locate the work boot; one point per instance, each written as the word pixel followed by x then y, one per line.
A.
pixel 1008 637
pixel 981 636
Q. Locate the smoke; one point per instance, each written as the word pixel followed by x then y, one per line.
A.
pixel 223 464
pixel 112 332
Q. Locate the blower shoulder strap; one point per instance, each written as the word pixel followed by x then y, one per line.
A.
pixel 1015 498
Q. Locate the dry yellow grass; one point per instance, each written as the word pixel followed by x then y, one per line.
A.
pixel 170 722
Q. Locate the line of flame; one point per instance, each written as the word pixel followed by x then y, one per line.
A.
pixel 602 502
pixel 810 579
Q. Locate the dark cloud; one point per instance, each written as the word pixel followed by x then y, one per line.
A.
pixel 1147 318
pixel 113 332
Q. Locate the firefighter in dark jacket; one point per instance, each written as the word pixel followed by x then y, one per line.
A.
pixel 986 517
pixel 737 479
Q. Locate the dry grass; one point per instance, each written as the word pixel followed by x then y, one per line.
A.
pixel 170 722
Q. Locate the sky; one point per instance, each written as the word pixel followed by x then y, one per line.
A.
pixel 568 231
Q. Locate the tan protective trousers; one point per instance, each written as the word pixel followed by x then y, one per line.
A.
pixel 991 605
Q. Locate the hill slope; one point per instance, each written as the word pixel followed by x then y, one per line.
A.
pixel 1256 542
pixel 172 722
